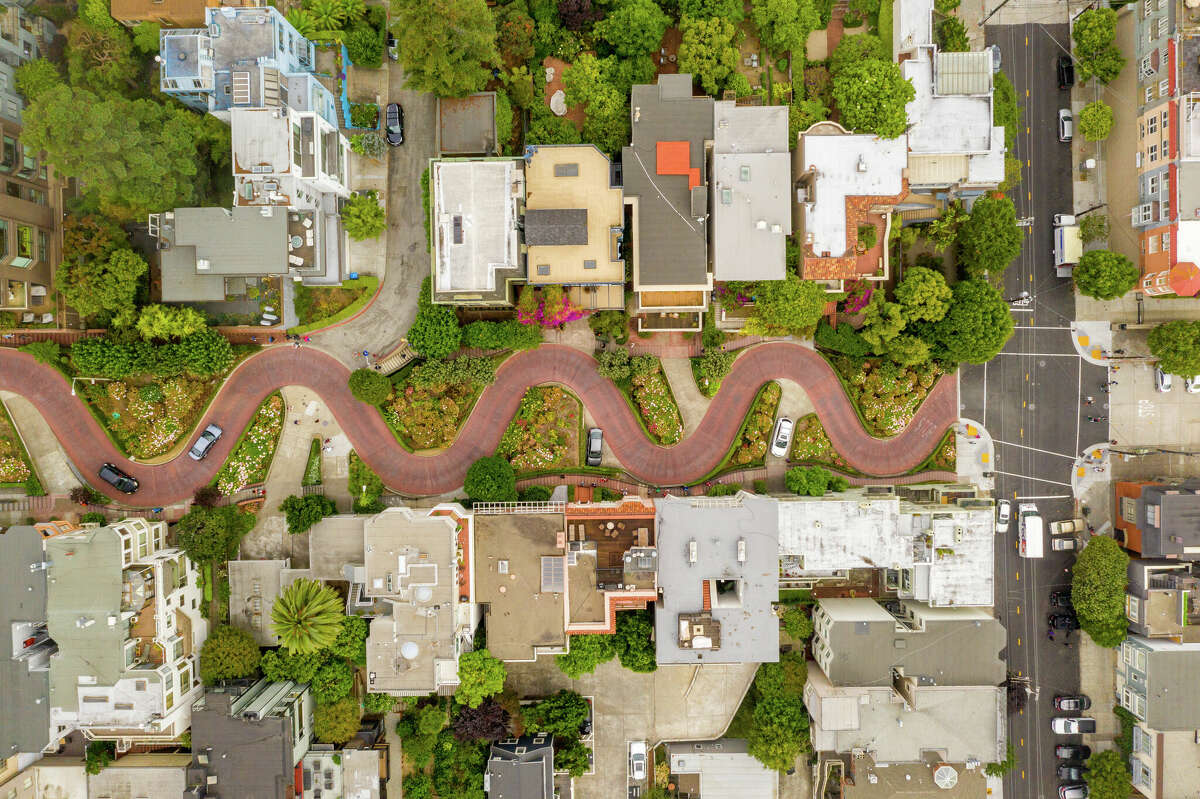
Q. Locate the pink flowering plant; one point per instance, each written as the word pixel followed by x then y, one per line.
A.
pixel 249 462
pixel 547 306
pixel 858 294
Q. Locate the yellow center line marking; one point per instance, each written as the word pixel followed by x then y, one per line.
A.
pixel 1018 580
pixel 1028 162
pixel 1022 773
pixel 1023 403
pixel 1027 377
pixel 1018 642
pixel 1018 610
pixel 1022 742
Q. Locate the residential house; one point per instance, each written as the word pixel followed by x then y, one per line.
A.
pixel 348 772
pixel 1156 683
pixel 171 13
pixel 124 611
pixel 23 38
pixel 207 254
pixel 254 585
pixel 247 742
pixel 38 777
pixel 721 769
pixel 1159 520
pixel 1161 600
pixel 30 238
pixel 718 572
pixel 521 768
pixel 665 171
pixel 25 646
pixel 934 543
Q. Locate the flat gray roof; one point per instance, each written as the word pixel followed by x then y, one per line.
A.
pixel 719 527
pixel 250 759
pixel 25 722
pixel 556 226
pixel 1172 701
pixel 208 244
pixel 947 116
pixel 725 770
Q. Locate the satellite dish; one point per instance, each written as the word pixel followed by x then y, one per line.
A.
pixel 409 650
pixel 945 777
pixel 423 593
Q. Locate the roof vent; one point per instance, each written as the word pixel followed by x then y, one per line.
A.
pixel 693 551
pixel 862 163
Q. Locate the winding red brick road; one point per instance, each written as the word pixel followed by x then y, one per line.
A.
pixel 88 447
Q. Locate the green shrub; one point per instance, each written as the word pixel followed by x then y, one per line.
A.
pixel 370 386
pixel 844 339
pixel 364 115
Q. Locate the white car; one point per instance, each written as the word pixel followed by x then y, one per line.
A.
pixel 1162 380
pixel 1192 384
pixel 1072 725
pixel 782 437
pixel 1062 544
pixel 637 760
pixel 1003 515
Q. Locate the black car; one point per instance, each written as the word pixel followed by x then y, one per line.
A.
pixel 1066 72
pixel 393 124
pixel 118 479
pixel 1062 621
pixel 1071 771
pixel 1072 702
pixel 1060 599
pixel 1069 752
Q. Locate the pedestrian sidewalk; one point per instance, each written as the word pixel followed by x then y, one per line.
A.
pixel 1093 341
pixel 53 468
pixel 692 404
pixel 1097 679
pixel 1090 468
pixel 975 453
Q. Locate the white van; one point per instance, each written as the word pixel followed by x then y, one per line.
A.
pixel 1030 531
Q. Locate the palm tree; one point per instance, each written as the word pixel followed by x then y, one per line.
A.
pixel 327 14
pixel 307 617
pixel 303 22
pixel 353 9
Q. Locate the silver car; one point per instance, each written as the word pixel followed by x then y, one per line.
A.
pixel 595 446
pixel 782 438
pixel 204 443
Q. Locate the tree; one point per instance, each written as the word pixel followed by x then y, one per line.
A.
pixel 633 27
pixel 854 49
pixel 279 665
pixel 791 306
pixel 923 295
pixel 491 479
pixel 98 756
pixel 337 722
pixel 942 231
pixel 813 481
pixel 784 25
pixel 514 33
pixel 333 681
pixel 370 386
pixel 702 9
pixel 561 715
pixel 1107 775
pixel 168 322
pixel 520 87
pixel 303 21
pixel 976 327
pixel 780 730
pixel 488 722
pixel 797 624
pixel 585 654
pixel 1004 766
pixel 1096 51
pixel 47 352
pixel 952 35
pixel 418 786
pixel 443 44
pixel 610 325
pixel 363 217
pixel 228 653
pixel 588 83
pixel 303 512
pixel 546 128
pixel 479 676
pixel 351 641
pixel 882 322
pixel 435 332
pixel 1093 227
pixel 989 239
pixel 1177 346
pixel 715 364
pixel 576 14
pixel 97 286
pixel 209 535
pixel 613 364
pixel 1098 590
pixel 101 59
pixel 307 616
pixel 632 639
pixel 709 51
pixel 35 77
pixel 572 756
pixel 352 10
pixel 328 15
pixel 378 703
pixel 1096 121
pixel 908 350
pixel 871 96
pixel 364 46
pixel 1105 274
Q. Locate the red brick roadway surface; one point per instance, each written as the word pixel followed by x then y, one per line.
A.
pixel 275 367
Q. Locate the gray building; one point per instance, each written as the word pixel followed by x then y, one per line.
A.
pixel 718 575
pixel 25 645
pixel 207 254
pixel 521 768
pixel 1161 600
pixel 1156 682
pixel 1166 518
pixel 23 37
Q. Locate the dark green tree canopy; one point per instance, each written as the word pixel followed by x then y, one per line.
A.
pixel 989 239
pixel 731 10
pixel 303 512
pixel 435 332
pixel 923 295
pixel 444 44
pixel 585 654
pixel 813 481
pixel 791 306
pixel 370 386
pixel 1177 346
pixel 1105 274
pixel 1107 776
pixel 976 327
pixel 212 534
pixel 480 675
pixel 491 479
pixel 856 48
pixel 871 96
pixel 1096 50
pixel 228 653
pixel 1098 581
pixel 708 50
pixel 633 27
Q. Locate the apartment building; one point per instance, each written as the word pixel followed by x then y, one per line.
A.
pixel 23 37
pixel 1159 520
pixel 25 647
pixel 1161 600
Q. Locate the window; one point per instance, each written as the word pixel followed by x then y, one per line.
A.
pixel 1132 605
pixel 43 247
pixel 1165 119
pixel 1147 66
pixel 10 154
pixel 589 264
pixel 1149 93
pixel 1152 184
pixel 1147 7
pixel 12 189
pixel 1162 27
pixel 1152 243
pixel 1127 652
pixel 543 269
pixel 1152 124
pixel 1143 214
pixel 1166 241
pixel 1142 741
pixel 36 196
pixel 1152 153
pixel 1129 509
pixel 1142 774
pixel 1139 659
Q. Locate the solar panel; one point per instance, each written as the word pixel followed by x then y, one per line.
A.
pixel 552 574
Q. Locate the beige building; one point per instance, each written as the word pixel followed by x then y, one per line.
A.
pixel 29 239
pixel 171 13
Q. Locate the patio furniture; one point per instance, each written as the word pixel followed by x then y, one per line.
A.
pixel 611 525
pixel 27 318
pixel 295 260
pixel 296 241
pixel 620 525
pixel 308 237
pixel 47 318
pixel 268 309
pixel 307 222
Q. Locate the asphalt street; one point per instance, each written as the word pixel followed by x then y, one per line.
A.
pixel 1029 399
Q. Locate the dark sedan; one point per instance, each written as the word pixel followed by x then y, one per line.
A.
pixel 1060 599
pixel 1072 702
pixel 1062 621
pixel 1069 752
pixel 393 124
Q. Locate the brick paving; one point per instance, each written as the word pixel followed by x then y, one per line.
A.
pixel 686 462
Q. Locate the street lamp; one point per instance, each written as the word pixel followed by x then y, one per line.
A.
pixel 91 379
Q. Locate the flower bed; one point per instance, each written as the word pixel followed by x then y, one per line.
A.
pixel 811 446
pixel 429 417
pixel 545 432
pixel 251 458
pixel 15 466
pixel 146 417
pixel 944 457
pixel 654 401
pixel 751 445
pixel 885 395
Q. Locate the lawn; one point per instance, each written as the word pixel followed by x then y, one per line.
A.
pixel 321 307
pixel 147 417
pixel 251 458
pixel 312 469
pixel 811 446
pixel 544 434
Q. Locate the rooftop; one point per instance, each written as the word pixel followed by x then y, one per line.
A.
pixel 243 758
pixel 208 244
pixel 1172 703
pixel 1169 517
pixel 724 768
pixel 952 109
pixel 885 780
pixel 253 588
pixel 141 776
pixel 521 768
pixel 912 24
pixel 24 683
pixel 467 125
pixel 262 142
pixel 360 773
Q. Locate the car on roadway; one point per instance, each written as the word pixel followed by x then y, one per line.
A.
pixel 205 442
pixel 118 479
pixel 393 124
pixel 1074 790
pixel 1069 752
pixel 1065 69
pixel 781 439
pixel 1072 725
pixel 1062 621
pixel 1067 526
pixel 1062 544
pixel 1162 380
pixel 1066 125
pixel 1071 771
pixel 595 446
pixel 1060 599
pixel 1003 515
pixel 637 760
pixel 995 48
pixel 1192 384
pixel 1072 702
pixel 392 50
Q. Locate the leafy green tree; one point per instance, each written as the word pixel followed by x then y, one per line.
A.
pixel 613 364
pixel 473 371
pixel 923 295
pixel 281 665
pixel 146 37
pixel 585 654
pixel 871 96
pixel 303 21
pixel 1096 51
pixel 780 732
pixel 353 10
pixel 791 306
pixel 95 286
pixel 514 33
pixel 635 649
pixel 101 59
pixel 379 703
pixel 1093 227
pixel 572 757
pixel 1004 766
pixel 943 231
pixel 35 77
pixel 1096 121
pixel 908 350
pixel 479 676
pixel 976 327
pixel 797 624
pixel 587 83
pixel 952 35
pixel 731 10
pixel 491 479
pixel 715 364
pixel 633 27
pixel 1177 346
pixel 1107 775
pixel 1098 581
pixel 813 481
pixel 418 786
pixel 520 87
pixel 435 332
pixel 351 641
pixel 364 47
pixel 98 756
pixel 337 722
pixel 228 653
pixel 209 535
pixel 546 128
pixel 303 512
pixel 882 322
pixel 709 51
pixel 307 616
pixel 1105 274
pixel 333 681
pixel 854 49
pixel 784 25
pixel 47 352
pixel 989 239
pixel 168 322
pixel 610 325
pixel 363 217
pixel 443 45
pixel 328 15
pixel 561 714
pixel 370 386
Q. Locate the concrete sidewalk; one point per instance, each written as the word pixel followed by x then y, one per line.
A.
pixel 49 459
pixel 692 404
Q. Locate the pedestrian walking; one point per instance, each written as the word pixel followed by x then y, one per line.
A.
pixel 1089 401
pixel 1118 352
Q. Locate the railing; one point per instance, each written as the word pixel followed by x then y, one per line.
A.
pixel 499 508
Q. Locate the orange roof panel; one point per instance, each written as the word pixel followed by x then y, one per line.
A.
pixel 674 158
pixel 1185 279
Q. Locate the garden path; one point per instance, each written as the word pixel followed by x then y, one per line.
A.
pixel 692 404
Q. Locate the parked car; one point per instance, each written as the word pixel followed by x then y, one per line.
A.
pixel 1066 125
pixel 204 443
pixel 782 438
pixel 393 53
pixel 1075 790
pixel 1072 725
pixel 1062 544
pixel 118 479
pixel 1060 599
pixel 1067 526
pixel 1071 771
pixel 1003 515
pixel 1062 621
pixel 637 760
pixel 393 124
pixel 1192 384
pixel 1162 380
pixel 1064 220
pixel 1066 72
pixel 1072 702
pixel 595 446
pixel 995 48
pixel 1069 752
